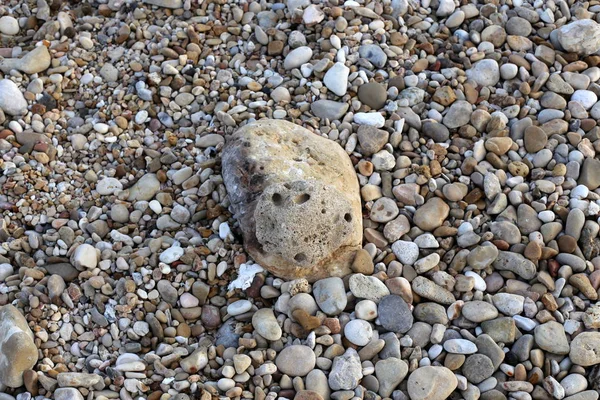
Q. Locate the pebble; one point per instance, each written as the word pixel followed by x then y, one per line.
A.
pixel 372 94
pixel 368 287
pixel 296 360
pixel 429 383
pixel 297 57
pixel 9 25
pixel 346 371
pixel 394 314
pixel 266 325
pixel 358 332
pixel 330 295
pixel 12 101
pixel 336 78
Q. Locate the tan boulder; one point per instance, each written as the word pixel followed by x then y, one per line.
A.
pixel 296 197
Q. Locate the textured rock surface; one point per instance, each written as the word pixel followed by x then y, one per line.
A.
pixel 297 199
pixel 18 352
pixel 581 37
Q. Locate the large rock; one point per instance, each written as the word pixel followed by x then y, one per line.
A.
pixel 297 198
pixel 35 61
pixel 18 352
pixel 581 37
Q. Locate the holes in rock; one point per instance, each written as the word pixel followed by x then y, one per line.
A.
pixel 323 211
pixel 300 257
pixel 277 199
pixel 301 199
pixel 348 217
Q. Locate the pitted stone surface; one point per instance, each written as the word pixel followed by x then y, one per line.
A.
pixel 296 196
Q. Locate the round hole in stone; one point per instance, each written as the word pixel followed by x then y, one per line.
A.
pixel 348 217
pixel 300 257
pixel 323 211
pixel 277 199
pixel 301 199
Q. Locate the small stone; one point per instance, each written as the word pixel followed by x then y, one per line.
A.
pixel 84 256
pixel 108 186
pixel 336 78
pixel 195 362
pixel 145 188
pixel 371 139
pixel 35 61
pixel 479 311
pixel 372 94
pixel 297 57
pixel 363 263
pixel 384 210
pixel 296 360
pixel 358 332
pixel 368 287
pixel 438 132
pixel 330 295
pixel 12 101
pixel 266 325
pixel 109 72
pixel 590 174
pixel 514 262
pixel 477 368
pixel 485 72
pixel 430 290
pixel 346 371
pixel 458 114
pixel 535 139
pixel 67 394
pixel 394 314
pixel 460 346
pixel 9 25
pixel 329 109
pixel 431 383
pixel 406 252
pixel 431 214
pixel 374 54
pixel 551 337
pixel 390 372
pixel 444 95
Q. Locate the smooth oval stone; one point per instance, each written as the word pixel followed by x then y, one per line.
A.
pixel 460 346
pixel 394 314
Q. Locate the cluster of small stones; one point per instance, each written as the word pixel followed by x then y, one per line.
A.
pixel 473 130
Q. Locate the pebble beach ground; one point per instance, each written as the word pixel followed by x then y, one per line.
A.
pixel 472 128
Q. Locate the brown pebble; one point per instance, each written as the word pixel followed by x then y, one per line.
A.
pixel 307 321
pixel 533 251
pixel 567 243
pixel 30 379
pixel 363 263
